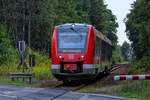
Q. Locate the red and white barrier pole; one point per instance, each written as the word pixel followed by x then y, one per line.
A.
pixel 132 77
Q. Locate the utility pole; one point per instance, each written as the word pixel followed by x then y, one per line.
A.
pixel 29 25
pixel 24 18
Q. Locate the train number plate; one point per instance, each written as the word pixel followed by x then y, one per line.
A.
pixel 70 66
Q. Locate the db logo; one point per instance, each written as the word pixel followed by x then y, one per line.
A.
pixel 71 56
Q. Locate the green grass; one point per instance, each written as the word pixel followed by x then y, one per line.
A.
pixel 90 89
pixel 138 89
pixel 125 62
pixel 7 81
pixel 18 81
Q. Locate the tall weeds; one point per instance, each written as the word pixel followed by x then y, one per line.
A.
pixel 41 70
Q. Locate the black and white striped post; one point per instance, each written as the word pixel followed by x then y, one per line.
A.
pixel 132 77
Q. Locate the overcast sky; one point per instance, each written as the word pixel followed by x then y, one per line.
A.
pixel 120 8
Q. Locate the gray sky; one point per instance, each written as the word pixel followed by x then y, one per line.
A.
pixel 120 8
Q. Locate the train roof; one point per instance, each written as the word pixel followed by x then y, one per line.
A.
pixel 79 25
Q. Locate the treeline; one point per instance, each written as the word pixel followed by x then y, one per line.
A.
pixel 34 20
pixel 122 53
pixel 138 31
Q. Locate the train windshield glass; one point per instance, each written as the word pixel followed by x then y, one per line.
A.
pixel 72 42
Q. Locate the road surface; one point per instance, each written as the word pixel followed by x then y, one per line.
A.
pixel 8 92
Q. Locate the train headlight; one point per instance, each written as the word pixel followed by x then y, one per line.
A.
pixel 82 56
pixel 60 56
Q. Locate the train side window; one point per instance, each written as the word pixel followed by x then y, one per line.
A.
pixel 105 57
pixel 103 51
pixel 110 53
pixel 98 46
pixel 95 46
pixel 107 52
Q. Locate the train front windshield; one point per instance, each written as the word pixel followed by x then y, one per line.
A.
pixel 72 41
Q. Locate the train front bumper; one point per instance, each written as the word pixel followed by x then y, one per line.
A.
pixel 89 72
pixel 74 76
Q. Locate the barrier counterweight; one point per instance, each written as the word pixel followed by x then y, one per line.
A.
pixel 132 77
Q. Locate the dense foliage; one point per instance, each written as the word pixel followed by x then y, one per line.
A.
pixel 5 43
pixel 41 69
pixel 138 31
pixel 117 55
pixel 138 28
pixel 34 20
pixel 103 19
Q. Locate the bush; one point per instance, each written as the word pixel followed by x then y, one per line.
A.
pixel 9 59
pixel 135 68
pixel 41 70
pixel 141 66
pixel 5 44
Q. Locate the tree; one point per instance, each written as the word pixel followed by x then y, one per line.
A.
pixel 97 15
pixel 138 28
pixel 125 48
pixel 83 10
pixel 111 28
pixel 34 20
pixel 117 56
pixel 30 20
pixel 103 19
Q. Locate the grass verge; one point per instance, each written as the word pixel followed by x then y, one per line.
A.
pixel 8 81
pixel 89 89
pixel 139 89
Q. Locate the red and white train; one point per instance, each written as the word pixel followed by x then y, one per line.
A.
pixel 79 52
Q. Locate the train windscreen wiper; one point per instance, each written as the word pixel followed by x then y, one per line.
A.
pixel 72 28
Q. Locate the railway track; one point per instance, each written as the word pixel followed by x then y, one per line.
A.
pixel 58 90
pixel 115 67
pixel 85 84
